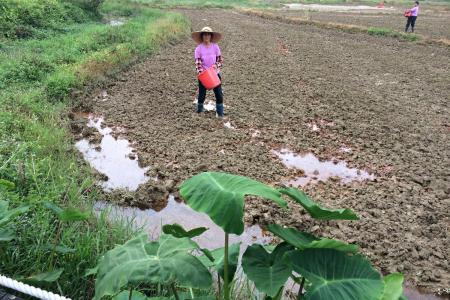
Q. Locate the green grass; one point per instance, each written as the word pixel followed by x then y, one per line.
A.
pixel 205 3
pixel 392 33
pixel 37 77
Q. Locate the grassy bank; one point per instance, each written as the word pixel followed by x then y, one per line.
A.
pixel 38 74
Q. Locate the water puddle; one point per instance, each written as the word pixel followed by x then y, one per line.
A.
pixel 413 293
pixel 116 22
pixel 316 170
pixel 151 222
pixel 317 125
pixel 254 133
pixel 228 125
pixel 113 158
pixel 345 149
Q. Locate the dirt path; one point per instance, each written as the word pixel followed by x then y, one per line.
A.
pixel 388 101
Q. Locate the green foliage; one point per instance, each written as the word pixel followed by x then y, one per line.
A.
pixel 233 258
pixel 37 77
pixel 221 197
pixel 393 287
pixel 336 275
pixel 50 276
pixel 269 271
pixel 379 31
pixel 139 261
pixel 135 295
pixel 303 240
pixel 315 210
pixel 37 18
pixel 7 215
pixel 178 231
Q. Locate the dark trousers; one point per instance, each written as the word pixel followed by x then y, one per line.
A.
pixel 411 21
pixel 217 92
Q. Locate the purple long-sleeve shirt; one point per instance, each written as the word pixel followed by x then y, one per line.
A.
pixel 414 11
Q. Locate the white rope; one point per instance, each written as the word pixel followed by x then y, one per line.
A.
pixel 29 290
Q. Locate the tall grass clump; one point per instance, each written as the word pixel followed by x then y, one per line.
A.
pixel 59 237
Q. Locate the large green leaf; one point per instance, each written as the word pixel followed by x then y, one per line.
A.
pixel 68 214
pixel 336 275
pixel 7 234
pixel 135 295
pixel 393 287
pixel 73 214
pixel 58 249
pixel 140 261
pixel 50 276
pixel 179 232
pixel 221 197
pixel 315 210
pixel 6 214
pixel 302 240
pixel 268 271
pixel 7 184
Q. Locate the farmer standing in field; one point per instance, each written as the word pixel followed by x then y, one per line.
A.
pixel 413 13
pixel 207 55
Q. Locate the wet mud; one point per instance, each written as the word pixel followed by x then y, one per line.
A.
pixel 385 103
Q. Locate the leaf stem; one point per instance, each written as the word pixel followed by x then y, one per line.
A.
pixel 218 283
pixel 300 291
pixel 225 271
pixel 174 291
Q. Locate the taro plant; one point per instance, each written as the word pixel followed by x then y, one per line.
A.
pixel 332 268
pixel 324 268
pixel 221 197
pixel 167 261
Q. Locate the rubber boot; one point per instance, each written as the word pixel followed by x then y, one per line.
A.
pixel 200 107
pixel 219 109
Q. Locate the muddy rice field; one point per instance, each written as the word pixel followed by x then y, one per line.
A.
pixel 433 21
pixel 377 106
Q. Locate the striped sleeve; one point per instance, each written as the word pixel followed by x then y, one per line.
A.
pixel 198 65
pixel 219 61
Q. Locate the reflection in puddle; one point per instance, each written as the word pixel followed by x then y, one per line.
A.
pixel 178 212
pixel 228 125
pixel 345 149
pixel 316 171
pixel 415 294
pixel 116 23
pixel 317 124
pixel 112 158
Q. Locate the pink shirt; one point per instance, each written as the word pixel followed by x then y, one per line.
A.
pixel 207 54
pixel 414 11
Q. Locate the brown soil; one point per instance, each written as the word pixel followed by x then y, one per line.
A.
pixel 387 99
pixel 434 23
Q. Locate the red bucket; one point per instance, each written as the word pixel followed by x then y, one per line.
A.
pixel 209 78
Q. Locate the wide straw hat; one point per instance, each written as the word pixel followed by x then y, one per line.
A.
pixel 197 35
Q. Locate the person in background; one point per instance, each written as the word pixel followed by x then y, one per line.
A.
pixel 413 17
pixel 207 54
